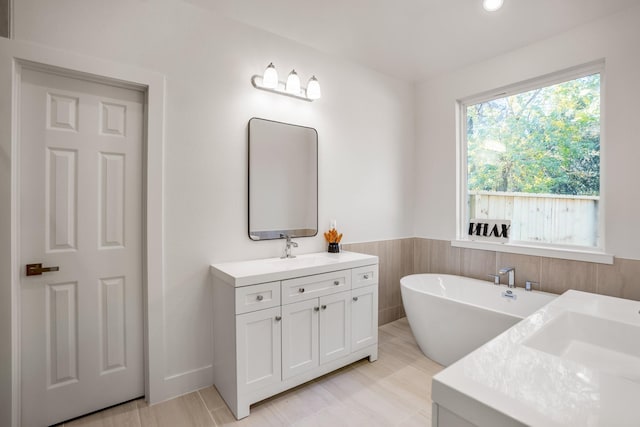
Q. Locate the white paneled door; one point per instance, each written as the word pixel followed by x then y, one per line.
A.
pixel 80 215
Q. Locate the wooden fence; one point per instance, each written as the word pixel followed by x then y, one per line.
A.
pixel 541 218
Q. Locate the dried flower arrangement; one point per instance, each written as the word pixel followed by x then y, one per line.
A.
pixel 332 236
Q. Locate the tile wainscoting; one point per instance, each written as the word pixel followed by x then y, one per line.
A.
pixel 417 255
pixel 396 259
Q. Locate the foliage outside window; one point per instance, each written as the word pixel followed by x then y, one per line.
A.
pixel 534 157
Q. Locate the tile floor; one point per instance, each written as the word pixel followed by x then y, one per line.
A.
pixel 393 391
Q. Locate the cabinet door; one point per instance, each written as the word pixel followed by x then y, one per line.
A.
pixel 364 317
pixel 335 326
pixel 299 337
pixel 258 338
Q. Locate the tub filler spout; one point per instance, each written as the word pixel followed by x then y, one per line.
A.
pixel 512 275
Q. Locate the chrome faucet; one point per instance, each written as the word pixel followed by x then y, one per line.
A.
pixel 512 275
pixel 287 248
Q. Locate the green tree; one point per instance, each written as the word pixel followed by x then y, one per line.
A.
pixel 544 141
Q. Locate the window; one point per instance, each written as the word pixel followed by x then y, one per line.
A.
pixel 532 155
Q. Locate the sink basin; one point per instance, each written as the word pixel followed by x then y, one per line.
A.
pixel 303 261
pixel 602 344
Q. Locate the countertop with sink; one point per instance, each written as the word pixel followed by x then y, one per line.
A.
pixel 575 362
pixel 243 273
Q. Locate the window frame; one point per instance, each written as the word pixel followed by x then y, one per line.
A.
pixel 573 252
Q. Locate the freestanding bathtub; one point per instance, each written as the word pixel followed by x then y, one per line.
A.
pixel 450 316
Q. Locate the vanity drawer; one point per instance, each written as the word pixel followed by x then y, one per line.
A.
pixel 257 297
pixel 318 285
pixel 364 276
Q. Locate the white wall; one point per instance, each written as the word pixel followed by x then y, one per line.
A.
pixel 364 120
pixel 616 40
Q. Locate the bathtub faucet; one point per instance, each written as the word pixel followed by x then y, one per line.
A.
pixel 512 275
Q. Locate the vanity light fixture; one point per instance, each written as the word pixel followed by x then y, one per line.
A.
pixel 269 82
pixel 293 83
pixel 270 77
pixel 492 5
pixel 313 88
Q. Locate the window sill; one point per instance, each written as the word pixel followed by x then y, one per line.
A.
pixel 574 255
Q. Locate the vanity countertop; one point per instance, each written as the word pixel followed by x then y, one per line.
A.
pixel 574 362
pixel 243 273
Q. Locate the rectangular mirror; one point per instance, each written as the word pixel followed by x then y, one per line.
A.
pixel 283 180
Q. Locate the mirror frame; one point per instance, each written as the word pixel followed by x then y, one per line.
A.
pixel 279 234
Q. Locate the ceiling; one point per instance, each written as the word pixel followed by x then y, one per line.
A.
pixel 414 39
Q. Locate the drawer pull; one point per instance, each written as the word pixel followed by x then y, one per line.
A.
pixel 355 298
pixel 336 282
pixel 324 307
pixel 316 308
pixel 301 290
pixel 365 277
pixel 259 297
pixel 278 318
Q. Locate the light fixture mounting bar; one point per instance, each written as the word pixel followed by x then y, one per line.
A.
pixel 256 81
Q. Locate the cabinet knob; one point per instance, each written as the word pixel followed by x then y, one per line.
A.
pixel 259 297
pixel 278 318
pixel 324 307
pixel 316 308
pixel 336 282
pixel 365 277
pixel 355 298
pixel 301 290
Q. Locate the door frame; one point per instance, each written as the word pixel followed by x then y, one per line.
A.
pixel 16 55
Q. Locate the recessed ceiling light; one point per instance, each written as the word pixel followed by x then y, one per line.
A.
pixel 492 5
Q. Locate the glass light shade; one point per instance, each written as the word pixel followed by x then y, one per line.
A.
pixel 492 5
pixel 270 77
pixel 293 83
pixel 313 88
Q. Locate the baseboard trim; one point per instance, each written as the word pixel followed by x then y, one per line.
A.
pixel 186 382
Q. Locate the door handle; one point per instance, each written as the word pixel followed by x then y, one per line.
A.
pixel 38 269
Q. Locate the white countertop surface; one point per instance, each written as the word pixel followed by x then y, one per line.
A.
pixel 510 382
pixel 243 273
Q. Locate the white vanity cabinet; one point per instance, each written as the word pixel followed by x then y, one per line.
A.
pixel 364 317
pixel 315 332
pixel 258 338
pixel 280 323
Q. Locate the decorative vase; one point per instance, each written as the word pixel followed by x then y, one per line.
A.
pixel 334 248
